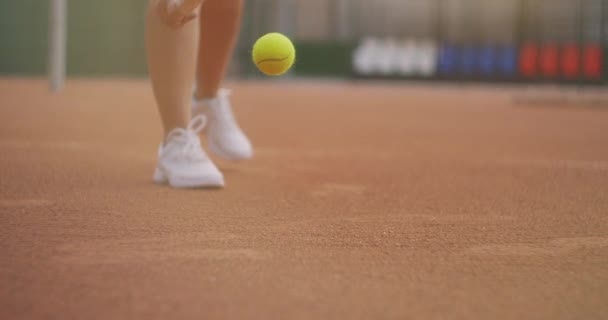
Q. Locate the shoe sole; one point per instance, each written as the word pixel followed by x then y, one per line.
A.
pixel 187 183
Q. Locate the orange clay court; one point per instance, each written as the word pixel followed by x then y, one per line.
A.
pixel 362 202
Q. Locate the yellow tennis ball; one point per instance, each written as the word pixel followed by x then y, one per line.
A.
pixel 274 54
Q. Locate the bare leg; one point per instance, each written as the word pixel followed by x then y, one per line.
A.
pixel 171 53
pixel 220 23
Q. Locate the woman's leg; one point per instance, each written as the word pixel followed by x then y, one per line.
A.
pixel 171 51
pixel 220 23
pixel 171 43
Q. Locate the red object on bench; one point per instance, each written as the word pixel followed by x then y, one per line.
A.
pixel 592 61
pixel 571 61
pixel 549 60
pixel 528 60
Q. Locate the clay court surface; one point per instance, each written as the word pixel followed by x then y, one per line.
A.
pixel 364 201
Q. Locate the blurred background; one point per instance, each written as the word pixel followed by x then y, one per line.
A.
pixel 478 40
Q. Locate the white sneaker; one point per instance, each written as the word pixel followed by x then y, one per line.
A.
pixel 182 162
pixel 226 139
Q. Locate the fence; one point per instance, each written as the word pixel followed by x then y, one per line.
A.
pixel 507 40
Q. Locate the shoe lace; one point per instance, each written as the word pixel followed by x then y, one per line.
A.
pixel 188 138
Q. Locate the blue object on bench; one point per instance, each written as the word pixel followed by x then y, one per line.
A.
pixel 447 60
pixel 468 60
pixel 488 60
pixel 508 61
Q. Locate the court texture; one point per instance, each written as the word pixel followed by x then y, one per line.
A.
pixel 363 201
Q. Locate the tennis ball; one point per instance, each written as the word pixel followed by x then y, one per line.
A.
pixel 274 54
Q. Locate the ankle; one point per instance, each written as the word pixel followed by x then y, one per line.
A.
pixel 205 95
pixel 210 95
